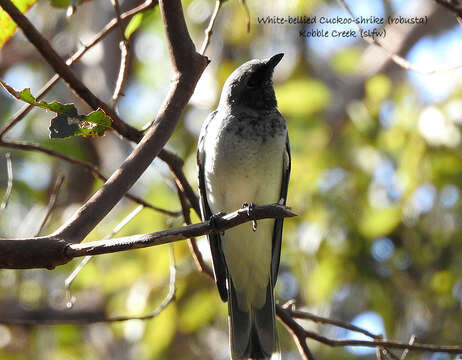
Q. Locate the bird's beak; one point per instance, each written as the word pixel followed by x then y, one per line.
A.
pixel 274 60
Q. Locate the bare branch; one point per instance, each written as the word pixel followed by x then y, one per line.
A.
pixel 123 71
pixel 297 332
pixel 83 164
pixel 398 60
pixel 209 30
pixel 49 252
pixel 222 223
pixel 390 344
pixel 192 243
pixel 124 47
pixel 297 314
pixel 452 5
pixel 188 65
pixel 9 186
pixel 120 26
pixel 405 352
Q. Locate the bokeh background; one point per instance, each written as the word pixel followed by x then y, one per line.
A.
pixel 376 180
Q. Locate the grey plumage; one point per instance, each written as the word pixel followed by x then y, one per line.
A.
pixel 244 156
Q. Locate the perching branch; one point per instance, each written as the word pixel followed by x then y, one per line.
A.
pixel 49 252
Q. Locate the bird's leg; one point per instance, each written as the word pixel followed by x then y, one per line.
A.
pixel 250 207
pixel 213 220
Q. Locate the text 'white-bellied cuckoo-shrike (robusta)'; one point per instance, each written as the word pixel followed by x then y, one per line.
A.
pixel 244 157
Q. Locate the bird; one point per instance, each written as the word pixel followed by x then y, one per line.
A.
pixel 244 159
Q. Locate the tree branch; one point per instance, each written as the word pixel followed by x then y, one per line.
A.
pixel 452 5
pixel 49 252
pixel 188 65
pixel 83 164
pixel 111 25
pixel 300 333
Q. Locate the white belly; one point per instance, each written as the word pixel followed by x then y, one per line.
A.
pixel 238 171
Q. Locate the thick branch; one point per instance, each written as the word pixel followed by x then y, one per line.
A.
pixel 185 79
pixel 49 252
pixel 452 5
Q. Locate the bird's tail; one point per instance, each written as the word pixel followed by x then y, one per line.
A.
pixel 253 333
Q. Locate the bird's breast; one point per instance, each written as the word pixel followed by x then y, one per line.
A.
pixel 243 160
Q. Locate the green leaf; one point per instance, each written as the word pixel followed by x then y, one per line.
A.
pixel 7 25
pixel 133 25
pixel 68 122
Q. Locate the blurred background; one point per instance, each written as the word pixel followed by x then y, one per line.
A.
pixel 376 180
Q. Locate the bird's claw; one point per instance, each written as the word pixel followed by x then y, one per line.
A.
pixel 213 219
pixel 250 207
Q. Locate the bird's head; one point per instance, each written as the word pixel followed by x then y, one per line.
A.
pixel 251 85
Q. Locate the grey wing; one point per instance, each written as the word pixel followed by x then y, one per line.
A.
pixel 277 232
pixel 218 259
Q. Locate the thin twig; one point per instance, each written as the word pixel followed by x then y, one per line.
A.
pixel 51 203
pixel 398 60
pixel 406 351
pixel 83 164
pixel 123 71
pixel 124 52
pixel 209 30
pixel 383 343
pixel 9 186
pixel 115 4
pixel 297 314
pixel 288 317
pixel 86 259
pixel 297 332
pixel 192 242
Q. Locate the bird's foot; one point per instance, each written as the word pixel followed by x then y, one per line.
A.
pixel 250 207
pixel 213 220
